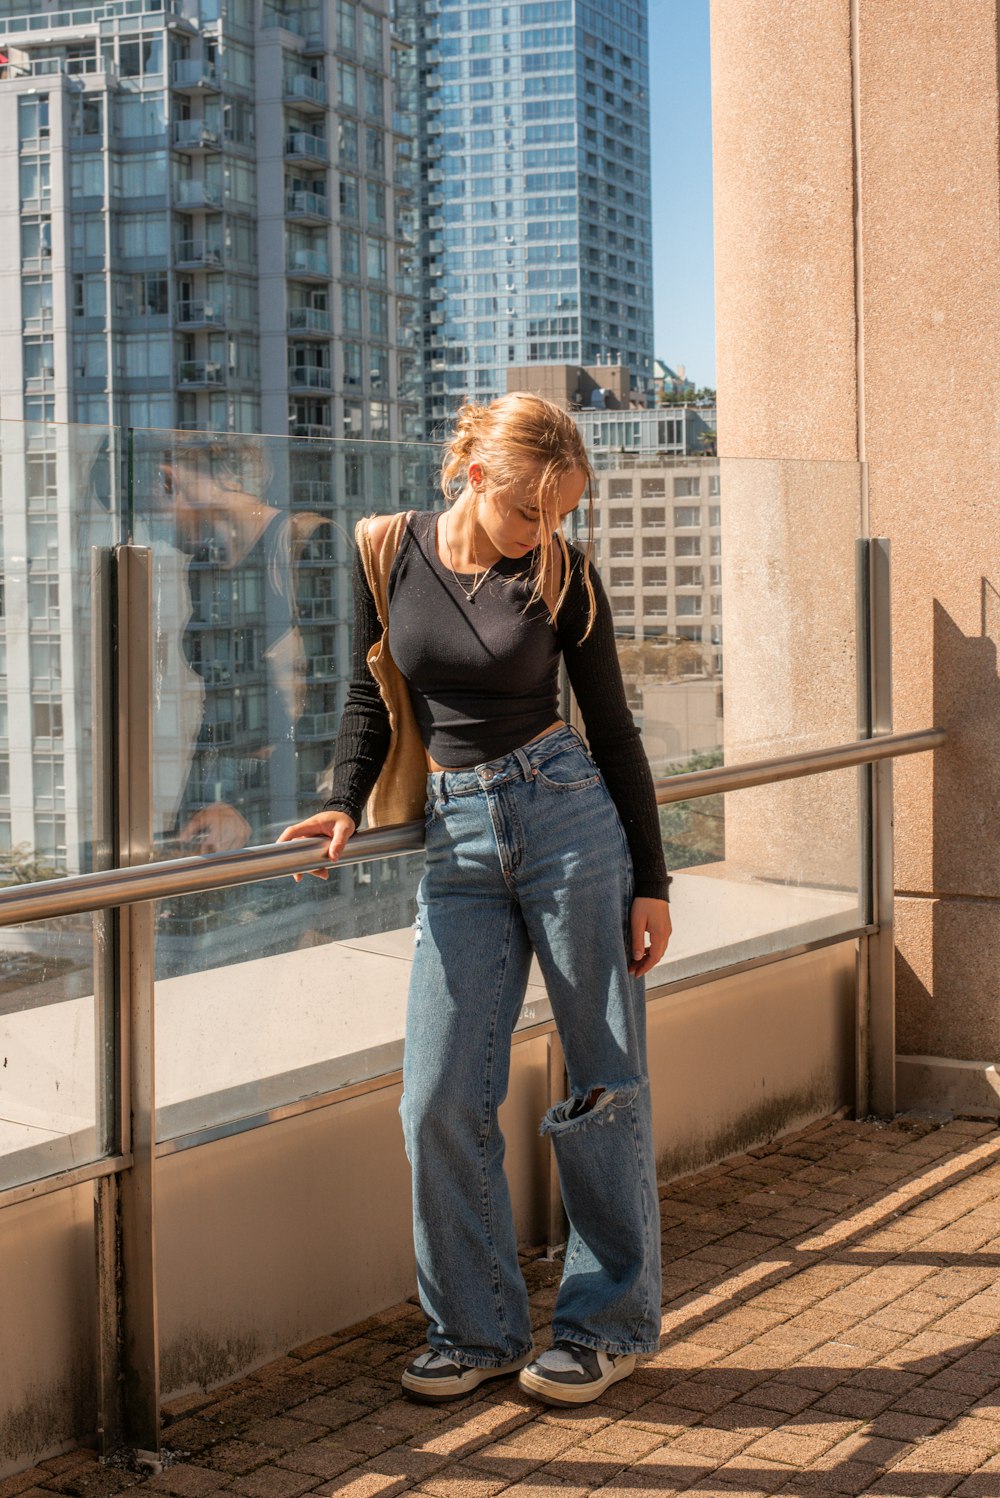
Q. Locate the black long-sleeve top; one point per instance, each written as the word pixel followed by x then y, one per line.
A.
pixel 472 722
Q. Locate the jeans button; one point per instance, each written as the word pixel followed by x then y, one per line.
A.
pixel 489 774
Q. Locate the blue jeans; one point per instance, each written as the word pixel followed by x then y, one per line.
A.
pixel 525 853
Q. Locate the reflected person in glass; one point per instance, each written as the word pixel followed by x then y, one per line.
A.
pixel 534 844
pixel 240 643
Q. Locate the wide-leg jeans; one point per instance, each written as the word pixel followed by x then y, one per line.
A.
pixel 527 853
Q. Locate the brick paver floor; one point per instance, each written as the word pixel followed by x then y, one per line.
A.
pixel 831 1320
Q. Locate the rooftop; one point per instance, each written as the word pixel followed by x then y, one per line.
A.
pixel 831 1326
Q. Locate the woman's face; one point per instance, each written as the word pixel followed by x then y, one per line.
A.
pixel 514 523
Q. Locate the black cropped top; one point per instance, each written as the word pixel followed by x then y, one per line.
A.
pixel 483 675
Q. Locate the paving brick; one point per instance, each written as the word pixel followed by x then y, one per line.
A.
pixel 585 1465
pixel 10 1487
pixel 540 1488
pixel 69 1462
pixel 460 1480
pixel 368 1436
pixel 237 1458
pixel 462 1434
pixel 283 1433
pixel 273 1482
pixel 327 1411
pixel 320 1460
pixel 186 1480
pixel 622 1438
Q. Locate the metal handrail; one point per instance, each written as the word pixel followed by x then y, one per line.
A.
pixel 77 894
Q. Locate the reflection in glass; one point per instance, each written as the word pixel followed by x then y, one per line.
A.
pixel 253 545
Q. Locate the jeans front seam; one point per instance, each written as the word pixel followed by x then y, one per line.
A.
pixel 490 1113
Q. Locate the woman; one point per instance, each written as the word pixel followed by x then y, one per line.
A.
pixel 532 845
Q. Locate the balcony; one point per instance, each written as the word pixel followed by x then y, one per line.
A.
pixel 189 194
pixel 305 92
pixel 318 553
pixel 310 320
pixel 308 265
pixel 193 136
pixel 311 494
pixel 318 725
pixel 321 429
pixel 200 374
pixel 194 315
pixel 301 145
pixel 316 609
pixel 307 207
pixel 309 377
pixel 323 668
pixel 198 254
pixel 195 76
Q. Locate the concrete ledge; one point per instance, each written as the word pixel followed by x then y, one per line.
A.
pixel 941 1084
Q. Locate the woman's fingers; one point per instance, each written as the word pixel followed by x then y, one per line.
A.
pixel 336 826
pixel 650 932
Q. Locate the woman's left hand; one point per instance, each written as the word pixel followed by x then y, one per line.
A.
pixel 650 918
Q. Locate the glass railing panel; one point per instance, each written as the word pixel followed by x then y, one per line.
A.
pixel 59 498
pixel 53 1111
pixel 760 871
pixel 732 589
pixel 278 991
pixel 253 544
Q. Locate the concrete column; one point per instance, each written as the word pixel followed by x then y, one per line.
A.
pixel 884 345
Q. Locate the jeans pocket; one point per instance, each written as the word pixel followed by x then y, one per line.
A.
pixel 569 769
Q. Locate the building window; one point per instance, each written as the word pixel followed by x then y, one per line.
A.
pixel 346 13
pixel 654 515
pixel 33 119
pixel 688 577
pixel 687 515
pixel 687 603
pixel 621 520
pixel 47 720
pixel 715 515
pixel 622 546
pixel 713 487
pixel 653 488
pixel 687 488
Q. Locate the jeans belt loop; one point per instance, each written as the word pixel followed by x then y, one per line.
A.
pixel 525 764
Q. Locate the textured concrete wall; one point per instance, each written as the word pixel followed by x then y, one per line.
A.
pixel 911 386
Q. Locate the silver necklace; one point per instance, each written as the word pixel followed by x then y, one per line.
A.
pixel 470 593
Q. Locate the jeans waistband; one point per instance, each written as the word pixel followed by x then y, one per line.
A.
pixel 519 764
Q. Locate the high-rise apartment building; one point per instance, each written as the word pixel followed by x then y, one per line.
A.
pixel 207 225
pixel 535 190
pixel 205 228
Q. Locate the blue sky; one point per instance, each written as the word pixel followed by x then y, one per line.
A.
pixel 681 127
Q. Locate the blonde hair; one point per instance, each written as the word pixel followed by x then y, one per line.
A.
pixel 526 444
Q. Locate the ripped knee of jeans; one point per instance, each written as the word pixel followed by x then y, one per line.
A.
pixel 594 1108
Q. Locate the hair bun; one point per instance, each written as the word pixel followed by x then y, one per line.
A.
pixel 468 422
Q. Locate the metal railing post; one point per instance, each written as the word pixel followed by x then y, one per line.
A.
pixel 137 1196
pixel 881 947
pixel 112 1124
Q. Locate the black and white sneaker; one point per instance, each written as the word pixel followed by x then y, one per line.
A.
pixel 432 1376
pixel 570 1374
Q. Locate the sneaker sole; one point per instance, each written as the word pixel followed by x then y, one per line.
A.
pixel 551 1392
pixel 433 1391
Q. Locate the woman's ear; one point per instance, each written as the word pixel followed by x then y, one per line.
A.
pixel 475 474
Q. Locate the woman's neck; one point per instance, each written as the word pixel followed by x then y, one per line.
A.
pixel 462 542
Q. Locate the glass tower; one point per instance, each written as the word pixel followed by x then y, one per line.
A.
pixel 535 190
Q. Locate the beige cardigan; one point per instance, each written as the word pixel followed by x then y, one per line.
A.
pixel 400 793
